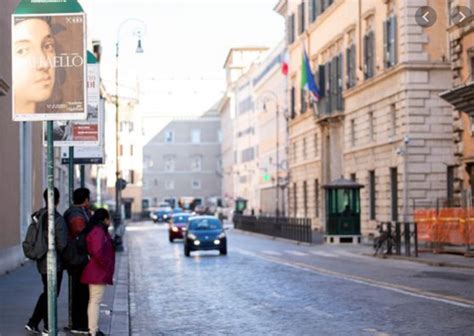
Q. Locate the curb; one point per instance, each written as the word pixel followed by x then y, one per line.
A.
pixel 120 322
pixel 421 261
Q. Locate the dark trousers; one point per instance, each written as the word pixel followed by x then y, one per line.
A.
pixel 41 309
pixel 80 301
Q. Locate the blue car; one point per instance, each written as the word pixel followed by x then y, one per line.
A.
pixel 162 214
pixel 204 233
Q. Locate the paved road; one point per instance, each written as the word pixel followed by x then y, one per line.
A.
pixel 279 288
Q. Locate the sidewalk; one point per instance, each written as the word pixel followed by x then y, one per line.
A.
pixel 19 291
pixel 428 258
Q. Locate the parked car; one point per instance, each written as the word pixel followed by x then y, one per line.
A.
pixel 177 226
pixel 162 214
pixel 204 233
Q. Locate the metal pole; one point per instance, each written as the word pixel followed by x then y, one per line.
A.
pixel 277 162
pixel 51 256
pixel 118 211
pixel 405 180
pixel 83 176
pixel 71 202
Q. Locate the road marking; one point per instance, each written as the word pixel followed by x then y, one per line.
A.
pixel 406 290
pixel 272 253
pixel 324 254
pixel 296 253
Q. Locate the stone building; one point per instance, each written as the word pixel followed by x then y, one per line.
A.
pixel 461 96
pixel 380 120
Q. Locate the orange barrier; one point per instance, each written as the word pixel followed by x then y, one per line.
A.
pixel 447 225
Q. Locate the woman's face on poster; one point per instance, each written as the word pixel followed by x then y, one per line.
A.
pixel 33 71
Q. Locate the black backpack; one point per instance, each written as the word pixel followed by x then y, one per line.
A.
pixel 35 245
pixel 75 254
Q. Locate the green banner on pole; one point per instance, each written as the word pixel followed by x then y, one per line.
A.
pixel 48 7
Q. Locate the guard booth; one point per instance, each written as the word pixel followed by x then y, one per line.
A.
pixel 240 205
pixel 342 212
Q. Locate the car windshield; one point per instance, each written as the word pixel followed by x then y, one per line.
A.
pixel 180 219
pixel 205 224
pixel 167 209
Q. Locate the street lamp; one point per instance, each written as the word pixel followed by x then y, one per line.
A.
pixel 139 31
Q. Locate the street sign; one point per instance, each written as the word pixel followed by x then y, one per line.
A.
pixel 266 177
pixel 48 61
pixel 83 133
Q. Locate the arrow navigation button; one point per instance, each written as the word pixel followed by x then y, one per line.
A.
pixel 425 16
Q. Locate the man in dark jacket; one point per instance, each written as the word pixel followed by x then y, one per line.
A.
pixel 41 308
pixel 77 218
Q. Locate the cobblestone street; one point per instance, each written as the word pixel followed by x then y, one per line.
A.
pixel 280 288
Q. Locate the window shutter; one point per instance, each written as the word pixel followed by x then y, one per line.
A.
pixel 302 100
pixel 393 40
pixel 372 54
pixel 322 80
pixel 303 19
pixel 288 29
pixel 348 68
pixel 340 106
pixel 386 46
pixel 334 84
pixel 327 75
pixel 310 11
pixel 366 56
pixel 353 63
pixel 293 28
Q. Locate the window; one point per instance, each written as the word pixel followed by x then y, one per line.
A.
pixel 294 152
pixel 316 198
pixel 169 136
pixel 121 150
pixel 372 195
pixel 316 145
pixel 292 103
pixel 169 185
pixel 353 177
pixel 304 148
pixel 131 150
pixel 290 29
pixel 369 57
pixel 303 104
pixel 196 184
pixel 353 139
pixel 301 18
pixel 313 10
pixel 219 136
pixel 331 85
pixel 394 193
pixel 371 126
pixel 305 199
pixel 196 163
pixel 390 41
pixel 169 163
pixel 131 176
pixel 248 154
pixel 295 201
pixel 195 136
pixel 155 182
pixel 450 186
pixel 351 66
pixel 393 120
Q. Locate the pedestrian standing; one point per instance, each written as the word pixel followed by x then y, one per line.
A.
pixel 41 309
pixel 100 268
pixel 77 219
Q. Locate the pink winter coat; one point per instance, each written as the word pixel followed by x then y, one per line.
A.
pixel 100 268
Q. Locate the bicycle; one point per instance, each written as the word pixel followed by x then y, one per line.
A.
pixel 384 242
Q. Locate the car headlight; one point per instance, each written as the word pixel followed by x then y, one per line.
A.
pixel 174 229
pixel 191 236
pixel 165 216
pixel 221 235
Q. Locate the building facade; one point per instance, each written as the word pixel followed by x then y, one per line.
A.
pixel 380 120
pixel 182 162
pixel 269 89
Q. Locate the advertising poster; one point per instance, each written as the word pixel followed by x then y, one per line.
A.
pixel 82 133
pixel 49 67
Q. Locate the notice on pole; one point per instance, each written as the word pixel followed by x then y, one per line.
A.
pixel 49 67
pixel 87 132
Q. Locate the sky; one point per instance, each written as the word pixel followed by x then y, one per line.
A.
pixel 185 44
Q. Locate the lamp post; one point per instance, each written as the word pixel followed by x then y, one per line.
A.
pixel 119 183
